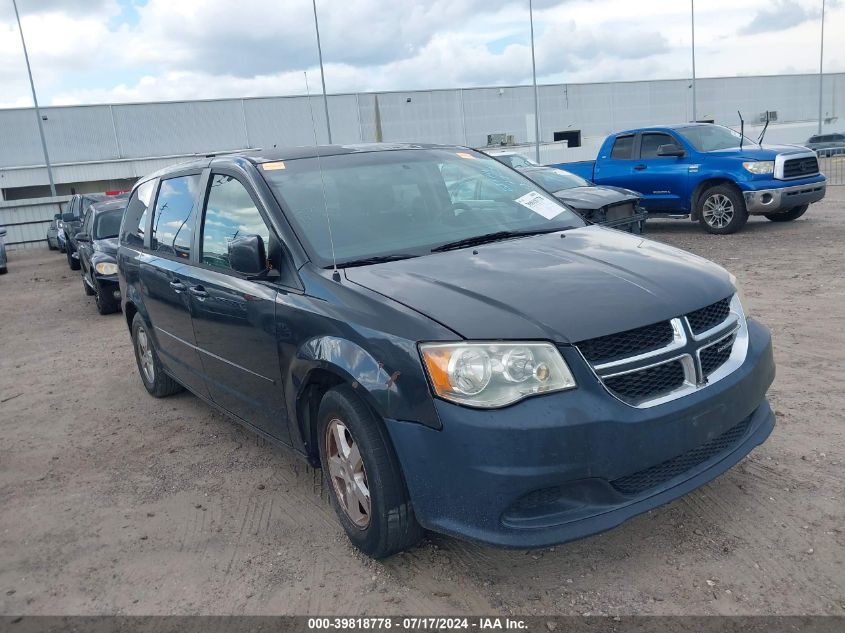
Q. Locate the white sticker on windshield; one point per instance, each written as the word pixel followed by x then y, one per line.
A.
pixel 540 205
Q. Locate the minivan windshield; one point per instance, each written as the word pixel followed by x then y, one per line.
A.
pixel 712 138
pixel 404 203
pixel 107 224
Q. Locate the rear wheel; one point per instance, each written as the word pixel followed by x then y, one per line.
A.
pixel 721 210
pixel 156 382
pixel 788 216
pixel 363 476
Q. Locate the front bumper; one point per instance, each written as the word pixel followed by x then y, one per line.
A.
pixel 559 467
pixel 776 199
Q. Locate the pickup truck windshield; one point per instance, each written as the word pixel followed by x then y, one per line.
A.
pixel 107 224
pixel 407 202
pixel 712 138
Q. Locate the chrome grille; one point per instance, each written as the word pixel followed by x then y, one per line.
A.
pixel 629 343
pixel 710 316
pixel 800 167
pixel 652 364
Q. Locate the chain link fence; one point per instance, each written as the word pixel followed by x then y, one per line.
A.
pixel 834 168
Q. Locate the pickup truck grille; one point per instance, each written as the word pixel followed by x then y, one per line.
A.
pixel 800 167
pixel 651 364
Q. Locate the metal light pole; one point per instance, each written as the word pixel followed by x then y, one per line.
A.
pixel 322 74
pixel 35 100
pixel 692 26
pixel 536 93
pixel 821 74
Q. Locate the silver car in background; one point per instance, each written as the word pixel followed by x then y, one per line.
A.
pixel 826 145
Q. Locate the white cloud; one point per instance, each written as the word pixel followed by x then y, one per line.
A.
pixel 216 48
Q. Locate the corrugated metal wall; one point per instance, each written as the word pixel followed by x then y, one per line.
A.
pixel 128 132
pixel 26 221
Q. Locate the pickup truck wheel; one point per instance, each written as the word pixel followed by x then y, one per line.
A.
pixel 788 216
pixel 721 210
pixel 156 382
pixel 73 263
pixel 363 477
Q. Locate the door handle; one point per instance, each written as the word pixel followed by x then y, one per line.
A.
pixel 198 291
pixel 178 286
pixel 640 167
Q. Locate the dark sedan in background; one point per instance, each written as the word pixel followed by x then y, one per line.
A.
pixel 609 206
pixel 96 248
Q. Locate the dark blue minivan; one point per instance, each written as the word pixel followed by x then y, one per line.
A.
pixel 482 365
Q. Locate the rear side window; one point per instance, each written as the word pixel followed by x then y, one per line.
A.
pixel 173 220
pixel 229 213
pixel 623 148
pixel 651 142
pixel 135 221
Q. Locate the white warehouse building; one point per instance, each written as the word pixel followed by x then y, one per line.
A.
pixel 104 147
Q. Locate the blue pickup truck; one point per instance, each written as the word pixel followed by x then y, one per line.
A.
pixel 709 173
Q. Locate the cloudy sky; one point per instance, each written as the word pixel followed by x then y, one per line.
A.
pixel 102 51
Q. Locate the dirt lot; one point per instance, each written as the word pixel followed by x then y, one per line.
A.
pixel 113 502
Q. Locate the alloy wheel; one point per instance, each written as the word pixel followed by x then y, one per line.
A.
pixel 346 471
pixel 718 210
pixel 145 355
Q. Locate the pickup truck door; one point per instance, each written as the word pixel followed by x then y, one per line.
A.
pixel 616 166
pixel 662 180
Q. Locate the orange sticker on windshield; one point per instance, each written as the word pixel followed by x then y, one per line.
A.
pixel 466 155
pixel 273 166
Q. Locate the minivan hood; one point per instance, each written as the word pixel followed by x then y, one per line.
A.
pixel 592 282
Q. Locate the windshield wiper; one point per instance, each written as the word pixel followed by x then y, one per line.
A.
pixel 493 237
pixel 378 259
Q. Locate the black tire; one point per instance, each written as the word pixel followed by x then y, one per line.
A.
pixel 390 525
pixel 106 303
pixel 159 384
pixel 721 210
pixel 788 216
pixel 88 290
pixel 73 263
pixel 3 270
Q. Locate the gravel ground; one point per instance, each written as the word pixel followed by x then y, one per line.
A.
pixel 113 502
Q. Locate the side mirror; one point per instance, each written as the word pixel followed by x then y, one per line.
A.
pixel 68 217
pixel 82 237
pixel 247 254
pixel 671 149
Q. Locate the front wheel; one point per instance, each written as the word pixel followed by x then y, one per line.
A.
pixel 721 210
pixel 73 263
pixel 363 476
pixel 788 216
pixel 106 303
pixel 156 382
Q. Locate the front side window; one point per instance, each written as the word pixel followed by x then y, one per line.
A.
pixel 230 212
pixel 135 220
pixel 407 202
pixel 623 148
pixel 652 142
pixel 173 219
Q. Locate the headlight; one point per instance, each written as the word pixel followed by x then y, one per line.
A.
pixel 760 166
pixel 739 293
pixel 489 375
pixel 106 268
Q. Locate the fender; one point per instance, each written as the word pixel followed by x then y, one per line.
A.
pixel 397 391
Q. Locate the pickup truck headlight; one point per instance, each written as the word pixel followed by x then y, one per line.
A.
pixel 491 375
pixel 106 268
pixel 760 166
